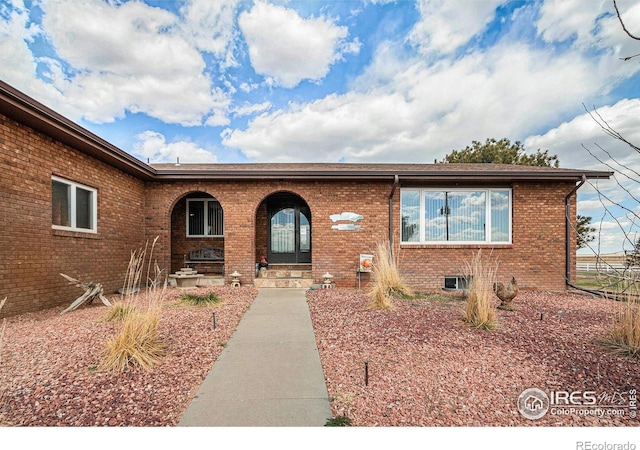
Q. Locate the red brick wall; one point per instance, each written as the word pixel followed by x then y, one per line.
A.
pixel 536 256
pixel 242 203
pixel 32 254
pixel 130 211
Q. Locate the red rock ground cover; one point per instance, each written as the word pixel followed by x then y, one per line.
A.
pixel 48 376
pixel 427 368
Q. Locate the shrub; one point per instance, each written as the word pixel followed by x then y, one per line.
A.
pixel 387 281
pixel 339 421
pixel 137 343
pixel 624 333
pixel 481 276
pixel 119 311
pixel 200 300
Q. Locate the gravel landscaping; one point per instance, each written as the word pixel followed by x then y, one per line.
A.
pixel 48 364
pixel 425 366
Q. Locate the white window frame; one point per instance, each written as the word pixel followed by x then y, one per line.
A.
pixel 72 201
pixel 488 227
pixel 206 201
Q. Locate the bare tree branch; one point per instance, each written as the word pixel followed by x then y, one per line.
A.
pixel 607 128
pixel 626 58
pixel 622 23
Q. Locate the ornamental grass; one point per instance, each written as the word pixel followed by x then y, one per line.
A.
pixel 623 336
pixel 480 310
pixel 200 300
pixel 387 281
pixel 137 343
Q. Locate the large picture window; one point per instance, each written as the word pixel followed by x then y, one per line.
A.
pixel 456 215
pixel 204 218
pixel 73 206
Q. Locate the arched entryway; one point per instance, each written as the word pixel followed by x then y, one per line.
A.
pixel 287 229
pixel 197 234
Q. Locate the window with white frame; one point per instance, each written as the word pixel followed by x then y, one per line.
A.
pixel 204 218
pixel 74 206
pixel 456 215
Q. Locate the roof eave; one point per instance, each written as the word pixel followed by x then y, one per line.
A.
pixel 23 109
pixel 413 176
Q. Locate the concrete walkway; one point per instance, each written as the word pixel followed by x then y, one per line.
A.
pixel 269 374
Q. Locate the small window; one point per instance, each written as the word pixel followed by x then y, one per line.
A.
pixel 73 206
pixel 455 283
pixel 204 218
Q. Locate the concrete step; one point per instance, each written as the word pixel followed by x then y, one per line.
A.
pixel 286 273
pixel 285 277
pixel 299 283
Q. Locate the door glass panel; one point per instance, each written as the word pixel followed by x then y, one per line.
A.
pixel 305 234
pixel 283 231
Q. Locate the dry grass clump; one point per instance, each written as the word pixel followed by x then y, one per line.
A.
pixel 387 281
pixel 624 333
pixel 137 344
pixel 119 311
pixel 480 310
pixel 199 300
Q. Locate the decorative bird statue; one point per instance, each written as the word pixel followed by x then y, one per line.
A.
pixel 506 293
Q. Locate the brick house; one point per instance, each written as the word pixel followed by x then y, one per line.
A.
pixel 71 202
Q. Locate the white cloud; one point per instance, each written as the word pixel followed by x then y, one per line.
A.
pixel 128 57
pixel 249 108
pixel 19 65
pixel 209 25
pixel 575 141
pixel 424 111
pixel 561 20
pixel 591 25
pixel 445 25
pixel 567 139
pixel 153 146
pixel 409 109
pixel 288 48
pixel 564 19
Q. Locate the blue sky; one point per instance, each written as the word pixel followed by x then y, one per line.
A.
pixel 328 81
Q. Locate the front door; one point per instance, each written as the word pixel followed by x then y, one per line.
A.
pixel 289 237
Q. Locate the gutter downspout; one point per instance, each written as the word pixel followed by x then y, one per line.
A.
pixel 396 183
pixel 567 205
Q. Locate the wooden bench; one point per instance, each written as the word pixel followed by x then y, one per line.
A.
pixel 207 259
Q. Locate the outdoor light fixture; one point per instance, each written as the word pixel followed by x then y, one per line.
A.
pixel 214 320
pixel 366 372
